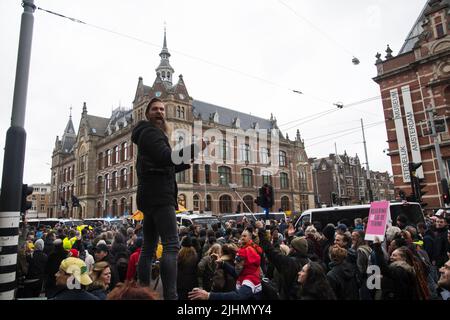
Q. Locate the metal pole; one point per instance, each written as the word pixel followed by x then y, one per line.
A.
pixel 206 202
pixel 437 148
pixel 12 177
pixel 369 187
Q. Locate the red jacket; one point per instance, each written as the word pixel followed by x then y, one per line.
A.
pixel 251 270
pixel 132 263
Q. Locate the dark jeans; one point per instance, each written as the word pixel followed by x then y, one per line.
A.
pixel 160 221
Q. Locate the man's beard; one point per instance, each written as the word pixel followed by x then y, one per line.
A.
pixel 160 123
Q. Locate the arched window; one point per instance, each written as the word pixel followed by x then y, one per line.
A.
pixel 163 74
pixel 178 112
pixel 114 181
pixel 225 150
pixel 182 200
pixel 285 203
pixel 247 178
pixel 196 201
pixel 284 180
pixel 168 74
pixel 105 214
pixel 224 176
pixel 99 184
pixel 100 161
pixel 116 155
pixel 208 203
pixel 182 113
pixel 124 151
pixel 283 159
pixel 266 177
pixel 123 178
pixel 107 182
pixel 108 158
pixel 225 204
pixel 248 200
pixel 123 203
pixel 114 208
pixel 99 212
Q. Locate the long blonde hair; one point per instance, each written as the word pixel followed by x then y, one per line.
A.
pixel 96 275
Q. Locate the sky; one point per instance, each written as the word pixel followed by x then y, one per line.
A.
pixel 243 55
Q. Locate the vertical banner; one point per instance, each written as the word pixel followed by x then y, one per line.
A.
pixel 378 216
pixel 412 131
pixel 401 141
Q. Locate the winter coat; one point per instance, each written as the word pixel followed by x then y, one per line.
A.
pixel 53 262
pixel 132 264
pixel 186 277
pixel 440 247
pixel 222 281
pixel 287 267
pixel 154 167
pixel 342 278
pixel 37 262
pixel 205 272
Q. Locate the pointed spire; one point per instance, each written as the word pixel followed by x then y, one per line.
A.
pixel 388 52
pixel 84 108
pixel 298 138
pixel 70 113
pixel 165 70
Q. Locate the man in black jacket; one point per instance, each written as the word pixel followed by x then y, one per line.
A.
pixel 440 245
pixel 157 191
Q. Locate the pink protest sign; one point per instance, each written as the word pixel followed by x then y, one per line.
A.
pixel 378 215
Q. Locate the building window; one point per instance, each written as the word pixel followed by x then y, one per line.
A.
pixel 115 155
pixel 42 198
pixel 247 178
pixel 123 178
pixel 248 200
pixel 195 173
pixel 303 181
pixel 99 184
pixel 100 161
pixel 283 160
pixel 123 204
pixel 65 175
pixel 264 154
pixel 82 164
pixel 224 176
pixel 284 180
pixel 304 202
pixel 208 203
pixel 107 182
pixel 108 158
pixel 196 201
pixel 114 181
pixel 182 200
pixel 42 207
pixel 131 176
pixel 207 174
pixel 225 204
pixel 124 151
pixel 114 208
pixel 285 203
pixel 225 150
pixel 99 209
pixel 266 177
pixel 181 177
pixel 131 205
pixel 440 30
pixel 244 153
pixel 80 186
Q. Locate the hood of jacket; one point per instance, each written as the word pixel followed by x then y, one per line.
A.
pixel 404 265
pixel 139 128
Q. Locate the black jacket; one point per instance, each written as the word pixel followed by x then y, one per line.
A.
pixel 342 278
pixel 287 267
pixel 155 168
pixel 37 263
pixel 440 247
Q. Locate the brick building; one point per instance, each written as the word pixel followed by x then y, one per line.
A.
pixel 97 163
pixel 346 173
pixel 40 201
pixel 417 79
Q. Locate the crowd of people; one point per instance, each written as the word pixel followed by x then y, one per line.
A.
pixel 246 260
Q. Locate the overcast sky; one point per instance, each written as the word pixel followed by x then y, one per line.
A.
pixel 242 55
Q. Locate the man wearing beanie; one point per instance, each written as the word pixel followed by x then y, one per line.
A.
pixel 36 271
pixel 286 267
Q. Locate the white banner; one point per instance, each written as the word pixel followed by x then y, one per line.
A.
pixel 412 131
pixel 401 141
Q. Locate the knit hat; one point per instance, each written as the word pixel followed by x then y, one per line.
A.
pixel 186 242
pixel 39 245
pixel 73 253
pixel 77 268
pixel 300 244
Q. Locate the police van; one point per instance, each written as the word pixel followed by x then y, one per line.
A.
pixel 411 210
pixel 205 220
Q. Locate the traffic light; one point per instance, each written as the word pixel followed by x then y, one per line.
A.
pixel 265 198
pixel 445 191
pixel 25 204
pixel 420 189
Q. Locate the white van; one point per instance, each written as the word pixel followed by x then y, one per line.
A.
pixel 412 211
pixel 278 216
pixel 205 220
